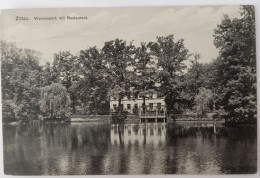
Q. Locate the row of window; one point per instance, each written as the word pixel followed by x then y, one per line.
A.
pixel 128 106
pixel 151 96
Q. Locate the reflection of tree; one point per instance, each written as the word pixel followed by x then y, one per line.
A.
pixel 200 149
pixel 120 133
pixel 239 150
pixel 124 160
pixel 136 144
pixel 148 162
pixel 91 148
pixel 93 142
pixel 180 131
pixel 60 148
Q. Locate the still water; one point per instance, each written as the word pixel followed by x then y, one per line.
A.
pixel 152 148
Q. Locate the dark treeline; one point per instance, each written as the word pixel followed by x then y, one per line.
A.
pixel 84 83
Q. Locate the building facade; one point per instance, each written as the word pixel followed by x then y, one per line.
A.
pixel 132 105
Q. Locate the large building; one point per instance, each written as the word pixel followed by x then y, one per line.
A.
pixel 132 105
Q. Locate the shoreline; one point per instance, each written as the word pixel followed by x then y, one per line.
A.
pixel 107 119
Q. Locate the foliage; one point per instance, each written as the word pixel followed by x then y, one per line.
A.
pixel 49 75
pixel 8 107
pixel 193 79
pixel 55 102
pixel 203 100
pixel 199 75
pixel 118 56
pixel 86 82
pixel 235 38
pixel 20 81
pixel 144 72
pixel 93 86
pixel 65 66
pixel 170 56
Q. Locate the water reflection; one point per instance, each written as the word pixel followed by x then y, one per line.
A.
pixel 153 148
pixel 138 133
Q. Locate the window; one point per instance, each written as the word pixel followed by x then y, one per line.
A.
pixel 128 106
pixel 151 105
pixel 159 95
pixel 135 109
pixel 159 106
pixel 114 106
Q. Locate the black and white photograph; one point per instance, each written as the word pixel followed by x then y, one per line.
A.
pixel 129 90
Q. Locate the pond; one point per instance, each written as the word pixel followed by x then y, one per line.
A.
pixel 129 148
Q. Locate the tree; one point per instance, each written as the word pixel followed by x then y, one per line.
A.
pixel 199 75
pixel 119 56
pixel 65 65
pixel 203 101
pixel 92 86
pixel 193 79
pixel 170 56
pixel 21 81
pixel 48 75
pixel 10 56
pixel 55 102
pixel 145 73
pixel 235 39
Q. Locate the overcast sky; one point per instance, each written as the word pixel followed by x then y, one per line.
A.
pixel 195 24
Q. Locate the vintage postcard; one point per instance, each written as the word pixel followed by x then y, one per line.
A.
pixel 129 90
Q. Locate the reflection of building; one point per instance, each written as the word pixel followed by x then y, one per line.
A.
pixel 138 133
pixel 133 104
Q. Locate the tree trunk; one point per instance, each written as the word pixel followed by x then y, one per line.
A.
pixel 73 106
pixel 51 114
pixel 3 94
pixel 144 104
pixel 119 105
pixel 169 104
pixel 51 109
pixel 95 106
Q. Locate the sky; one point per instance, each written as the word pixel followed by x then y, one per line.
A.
pixel 194 24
